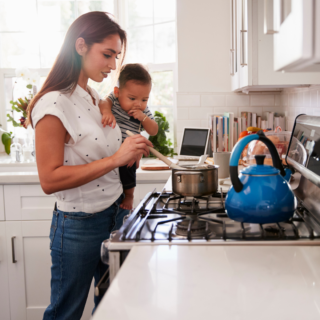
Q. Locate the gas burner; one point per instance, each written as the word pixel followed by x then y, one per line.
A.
pixel 197 228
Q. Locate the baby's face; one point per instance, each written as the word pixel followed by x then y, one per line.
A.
pixel 133 96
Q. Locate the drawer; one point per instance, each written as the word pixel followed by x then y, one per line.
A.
pixel 27 202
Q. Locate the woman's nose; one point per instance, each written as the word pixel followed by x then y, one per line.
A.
pixel 113 64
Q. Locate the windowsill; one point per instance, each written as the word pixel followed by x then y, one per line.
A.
pixel 5 162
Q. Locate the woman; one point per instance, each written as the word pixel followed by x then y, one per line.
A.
pixel 78 159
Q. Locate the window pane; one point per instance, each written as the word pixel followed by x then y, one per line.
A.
pixel 18 50
pixel 139 12
pixel 140 45
pixel 50 47
pixel 16 88
pixel 18 15
pixel 164 10
pixel 56 15
pixel 162 89
pixel 161 97
pixel 103 88
pixel 87 6
pixel 165 42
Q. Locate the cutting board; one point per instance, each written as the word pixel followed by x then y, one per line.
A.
pixel 156 164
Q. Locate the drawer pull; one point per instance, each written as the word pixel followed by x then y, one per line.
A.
pixel 13 253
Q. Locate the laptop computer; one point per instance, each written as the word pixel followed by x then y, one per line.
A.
pixel 194 143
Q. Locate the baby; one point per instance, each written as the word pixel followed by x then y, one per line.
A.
pixel 128 106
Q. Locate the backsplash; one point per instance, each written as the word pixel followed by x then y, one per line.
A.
pixel 300 100
pixel 193 109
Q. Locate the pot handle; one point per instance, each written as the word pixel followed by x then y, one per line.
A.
pixel 236 153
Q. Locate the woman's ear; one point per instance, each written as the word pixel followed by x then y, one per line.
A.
pixel 81 46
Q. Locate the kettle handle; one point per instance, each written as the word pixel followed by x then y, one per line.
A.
pixel 236 153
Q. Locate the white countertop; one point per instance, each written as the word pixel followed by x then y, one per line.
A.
pixel 27 173
pixel 215 282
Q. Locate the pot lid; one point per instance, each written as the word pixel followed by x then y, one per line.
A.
pixel 260 169
pixel 199 167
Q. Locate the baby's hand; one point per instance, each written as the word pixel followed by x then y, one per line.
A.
pixel 137 114
pixel 108 119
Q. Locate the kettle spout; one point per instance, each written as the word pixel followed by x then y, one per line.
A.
pixel 288 174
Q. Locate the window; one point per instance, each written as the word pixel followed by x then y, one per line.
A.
pixel 34 43
pixel 150 25
pixel 32 37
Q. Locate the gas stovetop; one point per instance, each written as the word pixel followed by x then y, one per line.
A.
pixel 167 218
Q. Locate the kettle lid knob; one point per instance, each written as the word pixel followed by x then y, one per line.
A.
pixel 260 159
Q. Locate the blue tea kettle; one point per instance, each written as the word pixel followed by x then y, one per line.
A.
pixel 261 194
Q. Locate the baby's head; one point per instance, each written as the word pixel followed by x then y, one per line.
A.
pixel 134 87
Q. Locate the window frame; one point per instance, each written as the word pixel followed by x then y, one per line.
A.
pixel 120 15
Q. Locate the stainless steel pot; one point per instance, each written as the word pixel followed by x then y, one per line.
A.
pixel 195 180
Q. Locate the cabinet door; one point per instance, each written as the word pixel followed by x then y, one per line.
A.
pixel 234 39
pixel 4 282
pixel 27 202
pixel 29 269
pixel 2 216
pixel 297 42
pixel 244 10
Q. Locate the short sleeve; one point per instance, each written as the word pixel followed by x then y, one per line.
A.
pixel 112 97
pixel 148 113
pixel 51 104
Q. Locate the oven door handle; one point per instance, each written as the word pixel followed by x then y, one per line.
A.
pixel 102 285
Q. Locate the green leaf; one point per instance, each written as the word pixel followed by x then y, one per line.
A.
pixel 6 140
pixel 14 123
pixel 29 86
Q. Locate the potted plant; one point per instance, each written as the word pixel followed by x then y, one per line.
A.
pixel 160 141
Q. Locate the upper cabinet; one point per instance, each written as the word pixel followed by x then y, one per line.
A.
pixel 297 35
pixel 252 51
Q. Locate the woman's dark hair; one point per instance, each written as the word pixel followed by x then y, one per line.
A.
pixel 93 27
pixel 134 71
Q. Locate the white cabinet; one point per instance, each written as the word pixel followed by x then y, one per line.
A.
pixel 29 263
pixel 4 281
pixel 254 53
pixel 297 42
pixel 27 202
pixel 2 215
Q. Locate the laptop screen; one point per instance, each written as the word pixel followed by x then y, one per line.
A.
pixel 194 142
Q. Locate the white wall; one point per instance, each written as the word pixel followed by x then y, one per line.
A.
pixel 204 83
pixel 203 41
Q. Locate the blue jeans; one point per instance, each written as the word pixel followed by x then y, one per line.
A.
pixel 75 240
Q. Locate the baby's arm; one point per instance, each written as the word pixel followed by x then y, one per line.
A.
pixel 108 118
pixel 149 125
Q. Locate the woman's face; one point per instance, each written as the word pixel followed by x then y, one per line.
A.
pixel 98 62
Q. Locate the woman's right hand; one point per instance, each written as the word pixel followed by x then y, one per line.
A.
pixel 131 150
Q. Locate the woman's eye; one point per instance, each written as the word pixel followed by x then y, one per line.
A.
pixel 107 56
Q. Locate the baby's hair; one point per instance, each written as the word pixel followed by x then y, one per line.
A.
pixel 134 71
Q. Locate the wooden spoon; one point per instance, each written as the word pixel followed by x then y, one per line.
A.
pixel 159 155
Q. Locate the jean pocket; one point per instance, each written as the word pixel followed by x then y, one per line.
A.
pixel 53 228
pixel 78 215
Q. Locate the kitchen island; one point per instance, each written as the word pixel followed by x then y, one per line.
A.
pixel 215 282
pixel 25 220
